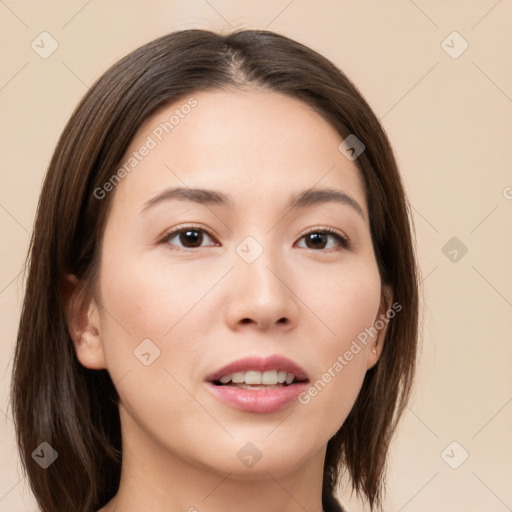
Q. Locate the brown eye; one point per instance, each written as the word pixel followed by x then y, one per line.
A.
pixel 188 238
pixel 322 239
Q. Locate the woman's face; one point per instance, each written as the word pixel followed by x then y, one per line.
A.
pixel 190 282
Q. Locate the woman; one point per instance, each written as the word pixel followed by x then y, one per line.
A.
pixel 221 307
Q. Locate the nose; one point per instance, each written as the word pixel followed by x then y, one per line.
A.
pixel 261 295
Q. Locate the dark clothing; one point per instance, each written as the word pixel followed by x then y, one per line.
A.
pixel 330 504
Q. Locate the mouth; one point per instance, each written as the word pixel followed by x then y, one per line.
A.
pixel 274 370
pixel 261 385
pixel 254 379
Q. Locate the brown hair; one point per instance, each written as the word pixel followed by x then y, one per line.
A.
pixel 57 400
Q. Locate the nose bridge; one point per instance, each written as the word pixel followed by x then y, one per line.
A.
pixel 260 292
pixel 260 276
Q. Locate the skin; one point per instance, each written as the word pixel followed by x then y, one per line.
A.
pixel 205 307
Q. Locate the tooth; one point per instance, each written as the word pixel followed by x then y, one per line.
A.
pixel 238 377
pixel 252 377
pixel 269 377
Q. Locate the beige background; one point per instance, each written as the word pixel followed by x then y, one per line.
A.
pixel 450 120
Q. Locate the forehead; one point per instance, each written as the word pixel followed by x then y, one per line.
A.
pixel 246 143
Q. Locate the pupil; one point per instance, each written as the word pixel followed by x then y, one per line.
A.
pixel 191 237
pixel 317 239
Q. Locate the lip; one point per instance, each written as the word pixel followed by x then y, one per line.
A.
pixel 259 400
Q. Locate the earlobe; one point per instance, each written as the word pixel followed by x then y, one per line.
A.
pixel 375 350
pixel 84 324
pixel 381 324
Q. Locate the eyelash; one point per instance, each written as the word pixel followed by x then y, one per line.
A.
pixel 343 240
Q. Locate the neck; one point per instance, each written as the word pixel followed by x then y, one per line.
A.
pixel 153 478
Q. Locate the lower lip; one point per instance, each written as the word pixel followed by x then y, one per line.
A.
pixel 258 400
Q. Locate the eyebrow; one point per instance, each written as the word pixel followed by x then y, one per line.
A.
pixel 304 199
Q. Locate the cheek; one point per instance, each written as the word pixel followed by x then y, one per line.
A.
pixel 152 343
pixel 354 296
pixel 141 302
pixel 347 303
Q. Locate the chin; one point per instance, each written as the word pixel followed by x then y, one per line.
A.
pixel 255 460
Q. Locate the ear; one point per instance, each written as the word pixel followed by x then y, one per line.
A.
pixel 380 324
pixel 84 323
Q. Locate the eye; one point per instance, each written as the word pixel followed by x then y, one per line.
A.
pixel 324 238
pixel 189 237
pixel 192 237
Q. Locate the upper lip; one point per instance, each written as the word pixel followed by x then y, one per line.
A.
pixel 261 364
